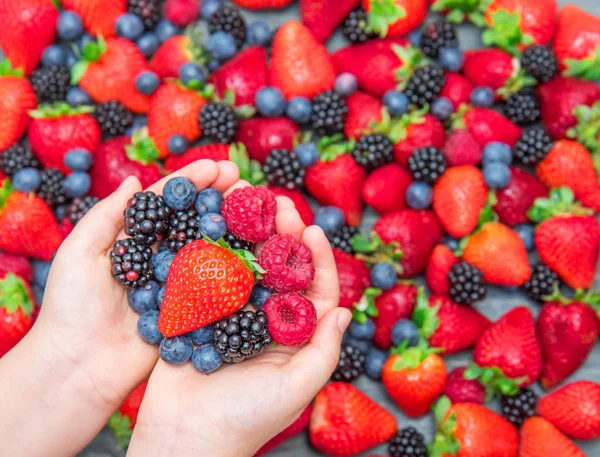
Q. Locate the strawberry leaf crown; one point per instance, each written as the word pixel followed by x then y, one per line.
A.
pixel 444 443
pixel 587 129
pixel 382 14
pixel 14 295
pixel 247 257
pixel 366 308
pixel 425 317
pixel 331 147
pixel 494 381
pixel 91 52
pixel 560 202
pixel 505 32
pixel 142 148
pixel 412 58
pixel 371 249
pixel 517 81
pixel 250 170
pixel 59 109
pixel 461 10
pixel 121 426
pixel 6 69
pixel 395 128
pixel 588 68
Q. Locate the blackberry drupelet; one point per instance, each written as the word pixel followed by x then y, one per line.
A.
pixel 437 35
pixel 520 407
pixel 131 265
pixel 466 283
pixel 283 169
pixel 541 282
pixel 149 11
pixel 425 85
pixel 16 158
pixel 51 189
pixel 80 208
pixel 373 151
pixel 351 364
pixel 533 146
pixel 237 243
pixel 218 122
pixel 342 238
pixel 229 19
pixel 540 62
pixel 427 164
pixel 146 217
pixel 329 113
pixel 408 443
pixel 114 119
pixel 522 107
pixel 183 229
pixel 355 27
pixel 242 336
pixel 51 84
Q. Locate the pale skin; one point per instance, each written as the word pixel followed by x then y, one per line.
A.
pixel 59 386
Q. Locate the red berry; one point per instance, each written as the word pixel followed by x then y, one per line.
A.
pixel 288 263
pixel 132 276
pixel 250 213
pixel 461 390
pixel 292 318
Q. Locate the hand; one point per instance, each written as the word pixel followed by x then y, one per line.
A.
pixel 235 410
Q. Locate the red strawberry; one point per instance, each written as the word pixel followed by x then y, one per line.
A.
pixel 262 4
pixel 300 65
pixel 574 409
pixel 16 311
pixel 182 12
pixel 216 152
pixel 297 427
pixel 173 53
pixel 487 125
pixel 261 135
pixel 302 206
pixel 513 202
pixel 462 149
pixel 322 17
pixel 436 274
pixel 123 421
pixel 354 278
pixel 539 438
pixel 58 128
pixel 385 188
pixel 461 390
pixel 342 421
pixel 363 109
pixel 17 264
pixel 457 89
pixel 28 27
pixel 392 305
pixel 395 18
pixel 459 195
pixel 98 16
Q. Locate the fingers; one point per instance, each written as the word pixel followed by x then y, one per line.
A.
pixel 288 220
pixel 229 174
pixel 203 173
pixel 238 185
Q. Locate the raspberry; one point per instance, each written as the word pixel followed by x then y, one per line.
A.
pixel 461 390
pixel 250 213
pixel 292 318
pixel 288 263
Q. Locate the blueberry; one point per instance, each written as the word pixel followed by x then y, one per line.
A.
pixel 259 33
pixel 76 96
pixel 209 201
pixel 259 295
pixel 77 184
pixel 38 294
pixel 177 350
pixel 482 97
pixel 329 218
pixel 179 193
pixel 27 180
pixel 139 122
pixel 442 108
pixel 403 330
pixel 450 243
pixel 148 44
pixel 383 275
pixel 178 144
pixel 206 359
pixel 54 55
pixel 71 59
pixel 60 212
pixel 41 270
pixel 145 298
pixel 161 295
pixel 165 30
pixel 129 26
pixel 209 7
pixel 83 41
pixel 396 102
pixel 148 327
pixel 496 175
pixel 69 25
pixel 374 363
pixel 451 59
pixel 270 102
pixel 497 152
pixel 202 335
pixel 222 46
pixel 161 263
pixel 419 195
pixel 147 82
pixel 79 160
pixel 190 72
pixel 415 38
pixel 346 84
pixel 307 153
pixel 362 331
pixel 299 110
pixel 213 225
pixel 525 231
pixel 213 65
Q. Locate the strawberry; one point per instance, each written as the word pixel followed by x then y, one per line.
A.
pixel 261 135
pixel 457 89
pixel 58 128
pixel 385 188
pixel 17 264
pixel 173 53
pixel 392 305
pixel 322 17
pixel 108 72
pixel 182 12
pixel 262 4
pixel 574 409
pixel 123 421
pixel 16 311
pixel 297 427
pixel 216 152
pixel 486 125
pixel 17 98
pixel 577 42
pixel 342 421
pixel 302 205
pixel 28 27
pixel 513 202
pixel 440 262
pixel 414 378
pixel 461 390
pixel 461 148
pixel 459 195
pixel 191 301
pixel 363 109
pixel 300 64
pixel 539 438
pixel 98 16
pixel 27 225
pixel 395 18
pixel 354 278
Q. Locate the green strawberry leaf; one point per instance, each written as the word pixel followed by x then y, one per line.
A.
pixel 121 426
pixel 560 201
pixel 494 381
pixel 78 71
pixel 366 244
pixel 382 14
pixel 14 295
pixel 399 125
pixel 59 109
pixel 142 148
pixel 331 147
pixel 371 294
pixel 444 443
pixel 412 58
pixel 359 316
pixel 5 191
pixel 588 68
pixel 505 32
pixel 587 129
pixel 516 82
pixel 424 316
pixel 6 69
pixel 248 258
pixel 250 170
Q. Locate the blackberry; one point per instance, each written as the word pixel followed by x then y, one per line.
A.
pixel 16 158
pixel 342 238
pixel 51 189
pixel 329 113
pixel 427 164
pixel 80 208
pixel 229 19
pixel 540 62
pixel 237 243
pixel 373 151
pixel 533 146
pixel 149 11
pixel 355 27
pixel 351 364
pixel 114 119
pixel 183 229
pixel 466 283
pixel 425 85
pixel 408 442
pixel 131 265
pixel 283 169
pixel 541 282
pixel 51 84
pixel 242 336
pixel 437 35
pixel 219 122
pixel 146 217
pixel 520 407
pixel 522 107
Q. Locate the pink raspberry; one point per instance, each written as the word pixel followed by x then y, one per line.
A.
pixel 292 318
pixel 461 390
pixel 287 262
pixel 250 213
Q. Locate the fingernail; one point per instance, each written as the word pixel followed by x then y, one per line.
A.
pixel 344 320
